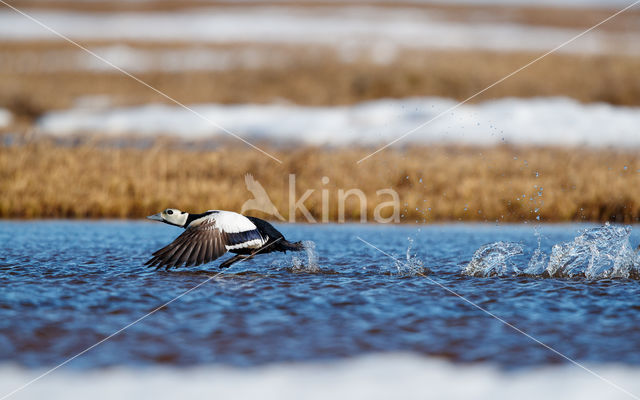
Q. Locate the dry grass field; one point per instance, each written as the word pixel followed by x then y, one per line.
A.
pixel 437 183
pixel 42 178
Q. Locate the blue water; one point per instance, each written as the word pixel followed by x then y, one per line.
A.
pixel 67 285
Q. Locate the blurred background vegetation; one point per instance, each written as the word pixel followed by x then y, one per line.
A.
pixel 129 175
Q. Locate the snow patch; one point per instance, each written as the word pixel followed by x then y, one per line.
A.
pixel 380 28
pixel 539 121
pixel 5 118
pixel 381 376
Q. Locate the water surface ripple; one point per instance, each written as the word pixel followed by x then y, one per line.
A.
pixel 66 285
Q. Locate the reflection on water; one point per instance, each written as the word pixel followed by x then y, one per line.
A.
pixel 66 285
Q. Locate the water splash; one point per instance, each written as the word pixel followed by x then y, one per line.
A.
pixel 596 253
pixel 539 261
pixel 603 252
pixel 310 264
pixel 411 265
pixel 494 259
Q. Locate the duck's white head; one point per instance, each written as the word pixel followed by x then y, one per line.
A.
pixel 171 216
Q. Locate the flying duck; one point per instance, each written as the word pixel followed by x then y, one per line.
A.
pixel 209 235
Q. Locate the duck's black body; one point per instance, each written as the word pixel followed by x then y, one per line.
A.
pixel 209 235
pixel 275 241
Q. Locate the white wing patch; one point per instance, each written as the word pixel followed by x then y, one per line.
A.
pixel 251 244
pixel 231 222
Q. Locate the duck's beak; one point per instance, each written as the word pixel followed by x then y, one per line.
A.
pixel 156 217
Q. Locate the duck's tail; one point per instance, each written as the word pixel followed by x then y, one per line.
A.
pixel 286 245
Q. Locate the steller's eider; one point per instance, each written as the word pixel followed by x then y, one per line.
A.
pixel 209 235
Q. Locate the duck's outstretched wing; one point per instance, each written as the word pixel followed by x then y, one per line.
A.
pixel 208 238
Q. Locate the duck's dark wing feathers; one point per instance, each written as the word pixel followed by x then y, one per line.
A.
pixel 193 247
pixel 199 245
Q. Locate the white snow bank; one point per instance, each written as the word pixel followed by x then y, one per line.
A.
pixel 372 377
pixel 556 3
pixel 5 118
pixel 549 3
pixel 382 29
pixel 555 121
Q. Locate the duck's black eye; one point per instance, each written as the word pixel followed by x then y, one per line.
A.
pixel 169 212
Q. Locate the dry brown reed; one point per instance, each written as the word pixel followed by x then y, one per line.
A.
pixel 435 183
